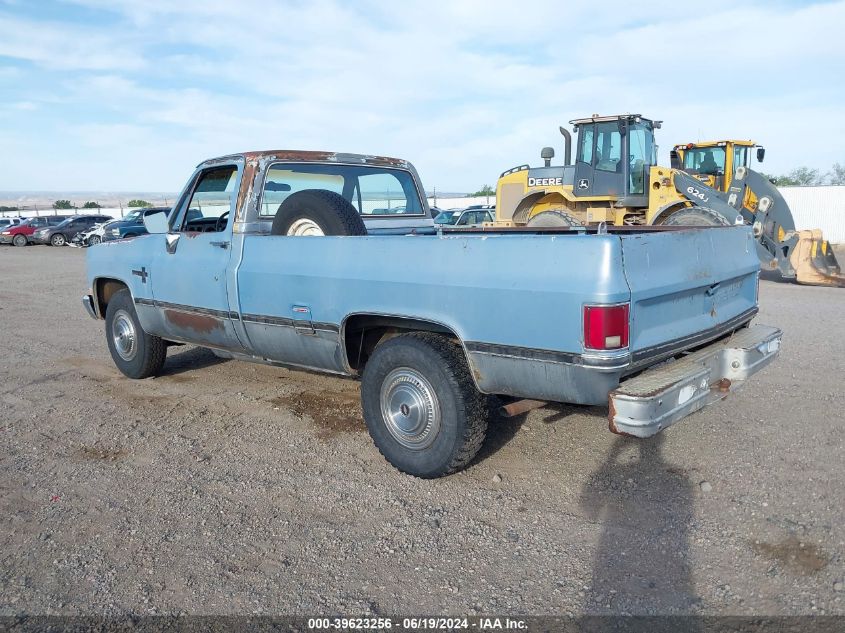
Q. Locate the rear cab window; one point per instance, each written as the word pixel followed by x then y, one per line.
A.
pixel 372 191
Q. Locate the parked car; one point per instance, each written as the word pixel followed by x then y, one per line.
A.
pixel 21 234
pixel 623 314
pixel 130 225
pixel 463 217
pixel 5 223
pixel 62 233
pixel 92 236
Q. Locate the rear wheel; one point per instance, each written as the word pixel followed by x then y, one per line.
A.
pixel 19 240
pixel 421 406
pixel 58 240
pixel 696 216
pixel 554 218
pixel 135 353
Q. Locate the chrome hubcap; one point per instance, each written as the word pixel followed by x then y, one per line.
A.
pixel 304 226
pixel 58 240
pixel 410 408
pixel 123 334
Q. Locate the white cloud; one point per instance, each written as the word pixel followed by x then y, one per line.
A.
pixel 62 46
pixel 463 89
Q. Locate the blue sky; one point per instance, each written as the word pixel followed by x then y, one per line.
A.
pixel 131 94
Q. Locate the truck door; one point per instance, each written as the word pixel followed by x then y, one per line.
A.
pixel 189 271
pixel 599 166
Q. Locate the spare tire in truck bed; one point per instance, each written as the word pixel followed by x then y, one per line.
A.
pixel 317 212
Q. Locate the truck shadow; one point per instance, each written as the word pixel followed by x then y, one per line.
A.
pixel 502 430
pixel 192 358
pixel 644 504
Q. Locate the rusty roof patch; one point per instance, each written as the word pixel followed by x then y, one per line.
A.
pixel 310 156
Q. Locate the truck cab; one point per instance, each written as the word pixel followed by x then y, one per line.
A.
pixel 613 157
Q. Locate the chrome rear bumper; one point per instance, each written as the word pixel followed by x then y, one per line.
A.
pixel 646 404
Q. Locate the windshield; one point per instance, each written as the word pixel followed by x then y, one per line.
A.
pixel 641 155
pixel 447 217
pixel 133 217
pixel 370 190
pixel 705 160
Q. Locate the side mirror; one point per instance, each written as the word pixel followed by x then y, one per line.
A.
pixel 675 160
pixel 156 222
pixel 761 154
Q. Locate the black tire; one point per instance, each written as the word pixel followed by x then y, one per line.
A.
pixel 696 216
pixel 455 437
pixel 58 239
pixel 20 240
pixel 554 218
pixel 147 354
pixel 331 212
pixel 128 235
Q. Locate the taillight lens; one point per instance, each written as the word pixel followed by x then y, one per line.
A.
pixel 606 327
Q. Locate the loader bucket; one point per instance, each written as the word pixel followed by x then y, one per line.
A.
pixel 814 261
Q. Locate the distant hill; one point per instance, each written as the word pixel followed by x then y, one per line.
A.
pixel 30 200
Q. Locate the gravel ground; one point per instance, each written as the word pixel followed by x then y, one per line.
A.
pixel 223 487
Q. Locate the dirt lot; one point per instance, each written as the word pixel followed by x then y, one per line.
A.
pixel 224 487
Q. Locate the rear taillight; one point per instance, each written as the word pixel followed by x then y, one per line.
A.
pixel 606 327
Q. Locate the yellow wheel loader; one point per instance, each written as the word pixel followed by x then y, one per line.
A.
pixel 615 178
pixel 724 165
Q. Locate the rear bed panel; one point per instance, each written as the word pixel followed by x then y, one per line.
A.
pixel 684 283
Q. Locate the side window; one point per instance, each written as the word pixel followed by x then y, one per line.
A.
pixel 585 149
pixel 608 147
pixel 211 201
pixel 640 150
pixel 740 156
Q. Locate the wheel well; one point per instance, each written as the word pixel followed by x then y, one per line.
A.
pixel 363 332
pixel 520 214
pixel 104 289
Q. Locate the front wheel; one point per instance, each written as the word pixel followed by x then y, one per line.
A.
pixel 93 240
pixel 58 240
pixel 421 406
pixel 19 240
pixel 135 353
pixel 696 216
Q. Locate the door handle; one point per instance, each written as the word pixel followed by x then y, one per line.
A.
pixel 223 245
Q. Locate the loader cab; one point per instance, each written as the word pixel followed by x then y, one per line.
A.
pixel 716 162
pixel 613 156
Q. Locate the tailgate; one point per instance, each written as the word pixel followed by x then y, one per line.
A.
pixel 688 286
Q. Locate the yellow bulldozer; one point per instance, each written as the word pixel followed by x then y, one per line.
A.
pixel 615 179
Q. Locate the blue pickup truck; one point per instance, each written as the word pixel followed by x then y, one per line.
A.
pixel 328 262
